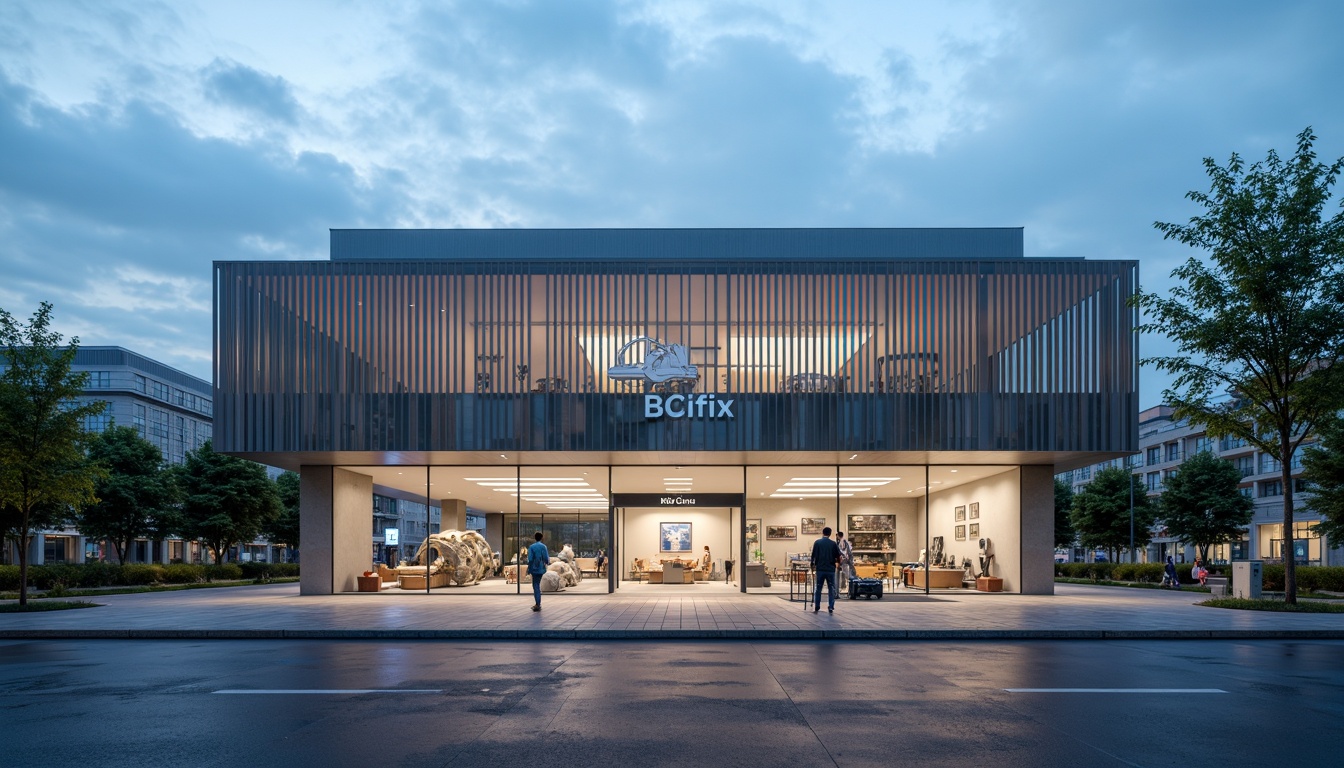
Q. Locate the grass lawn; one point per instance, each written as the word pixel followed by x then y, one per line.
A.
pixel 47 605
pixel 94 591
pixel 1273 605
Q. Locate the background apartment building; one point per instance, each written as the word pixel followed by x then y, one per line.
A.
pixel 1165 442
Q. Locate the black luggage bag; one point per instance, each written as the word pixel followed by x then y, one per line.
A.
pixel 866 588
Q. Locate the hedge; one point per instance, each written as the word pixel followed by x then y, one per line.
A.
pixel 1309 578
pixel 100 574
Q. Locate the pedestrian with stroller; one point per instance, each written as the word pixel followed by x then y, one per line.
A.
pixel 1169 577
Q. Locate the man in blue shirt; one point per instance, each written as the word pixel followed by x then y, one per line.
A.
pixel 538 557
pixel 825 557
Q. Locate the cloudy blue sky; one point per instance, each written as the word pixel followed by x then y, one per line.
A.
pixel 139 141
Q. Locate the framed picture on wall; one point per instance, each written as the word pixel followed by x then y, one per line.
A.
pixel 959 514
pixel 876 523
pixel 975 510
pixel 813 525
pixel 959 533
pixel 753 534
pixel 781 532
pixel 674 538
pixel 975 530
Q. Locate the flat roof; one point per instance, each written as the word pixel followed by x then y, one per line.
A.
pixel 696 244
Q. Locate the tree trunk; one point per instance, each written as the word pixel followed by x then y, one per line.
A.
pixel 121 551
pixel 23 567
pixel 1286 473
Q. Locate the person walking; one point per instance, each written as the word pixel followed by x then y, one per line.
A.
pixel 538 558
pixel 846 559
pixel 825 558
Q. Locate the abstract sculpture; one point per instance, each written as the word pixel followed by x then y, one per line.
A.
pixel 464 555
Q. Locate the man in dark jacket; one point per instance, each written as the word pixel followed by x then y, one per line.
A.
pixel 825 558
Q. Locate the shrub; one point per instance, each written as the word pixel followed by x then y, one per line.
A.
pixel 100 574
pixel 285 569
pixel 9 577
pixel 1309 578
pixel 223 572
pixel 181 573
pixel 138 574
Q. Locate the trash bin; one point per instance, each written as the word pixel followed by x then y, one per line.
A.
pixel 1247 577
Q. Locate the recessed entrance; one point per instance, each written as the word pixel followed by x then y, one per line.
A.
pixel 678 529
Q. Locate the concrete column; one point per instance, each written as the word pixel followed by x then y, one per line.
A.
pixel 1038 530
pixel 37 549
pixel 494 533
pixel 335 528
pixel 452 515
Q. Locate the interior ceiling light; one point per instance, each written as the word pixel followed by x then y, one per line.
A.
pixel 855 456
pixel 797 495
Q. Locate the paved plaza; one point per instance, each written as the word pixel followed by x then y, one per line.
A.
pixel 277 611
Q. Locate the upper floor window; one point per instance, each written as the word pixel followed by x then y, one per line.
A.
pixel 1271 488
pixel 1173 451
pixel 1203 444
pixel 160 390
pixel 1154 454
pixel 100 379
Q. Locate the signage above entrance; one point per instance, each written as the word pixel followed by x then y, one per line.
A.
pixel 687 407
pixel 676 500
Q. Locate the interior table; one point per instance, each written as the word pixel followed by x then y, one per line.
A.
pixel 938 578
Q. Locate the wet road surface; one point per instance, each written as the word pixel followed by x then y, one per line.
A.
pixel 694 703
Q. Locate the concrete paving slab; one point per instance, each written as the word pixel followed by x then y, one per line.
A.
pixel 1076 612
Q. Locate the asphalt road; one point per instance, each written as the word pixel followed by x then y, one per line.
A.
pixel 689 704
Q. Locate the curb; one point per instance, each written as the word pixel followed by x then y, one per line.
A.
pixel 683 634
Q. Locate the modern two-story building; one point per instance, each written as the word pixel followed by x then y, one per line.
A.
pixel 659 394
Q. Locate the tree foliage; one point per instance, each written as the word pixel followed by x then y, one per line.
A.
pixel 1065 535
pixel 225 499
pixel 284 529
pixel 1101 512
pixel 44 474
pixel 1200 503
pixel 1261 314
pixel 1323 466
pixel 135 495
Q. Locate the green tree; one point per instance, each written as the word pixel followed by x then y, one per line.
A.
pixel 1065 535
pixel 135 496
pixel 44 474
pixel 1263 317
pixel 225 499
pixel 284 528
pixel 1323 467
pixel 1200 503
pixel 1101 512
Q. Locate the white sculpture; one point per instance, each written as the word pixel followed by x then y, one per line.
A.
pixel 552 582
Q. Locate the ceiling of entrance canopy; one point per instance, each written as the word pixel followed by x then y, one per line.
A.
pixel 584 489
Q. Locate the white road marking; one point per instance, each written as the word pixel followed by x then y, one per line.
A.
pixel 340 691
pixel 1115 690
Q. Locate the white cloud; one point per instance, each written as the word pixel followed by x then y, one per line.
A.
pixel 1082 122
